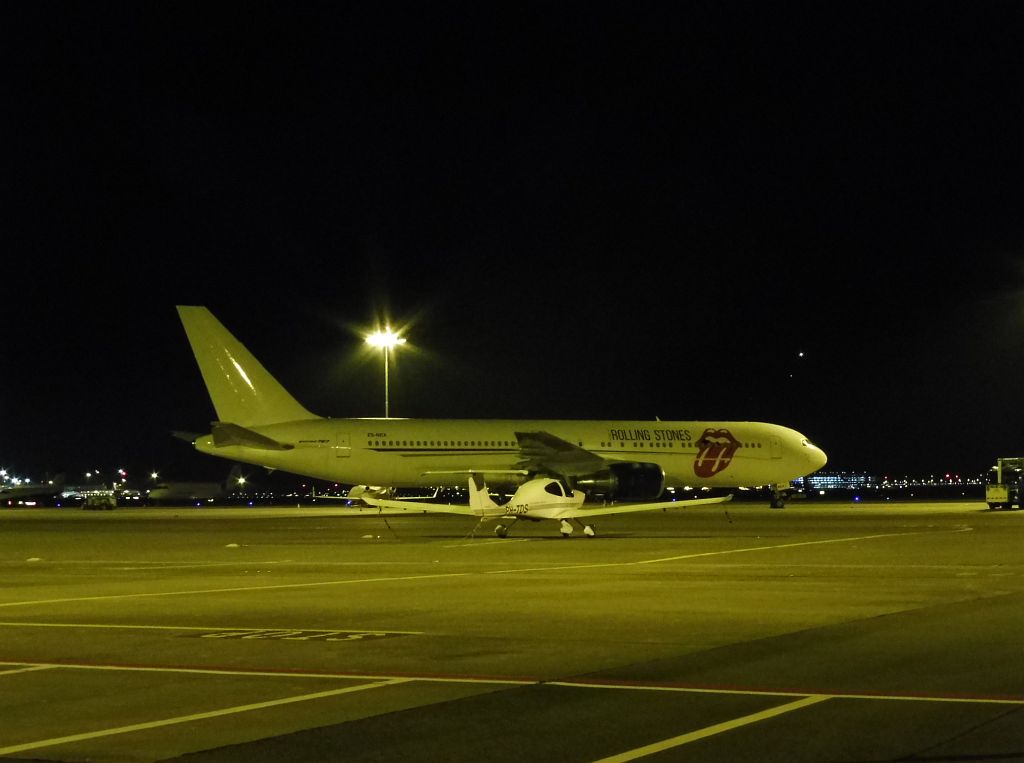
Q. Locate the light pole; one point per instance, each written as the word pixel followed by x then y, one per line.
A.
pixel 385 340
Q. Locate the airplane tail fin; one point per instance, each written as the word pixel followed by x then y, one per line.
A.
pixel 242 391
pixel 231 482
pixel 480 500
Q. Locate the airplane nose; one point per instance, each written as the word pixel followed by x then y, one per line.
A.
pixel 817 457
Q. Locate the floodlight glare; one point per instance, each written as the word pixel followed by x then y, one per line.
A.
pixel 385 340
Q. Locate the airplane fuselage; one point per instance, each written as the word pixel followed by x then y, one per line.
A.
pixel 259 422
pixel 178 491
pixel 419 452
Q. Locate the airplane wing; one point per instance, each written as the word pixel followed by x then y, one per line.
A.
pixel 481 504
pixel 627 508
pixel 543 452
pixel 488 509
pixel 418 506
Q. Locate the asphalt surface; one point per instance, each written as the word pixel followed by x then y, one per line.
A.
pixel 820 632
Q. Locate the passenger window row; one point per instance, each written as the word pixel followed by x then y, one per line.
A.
pixel 440 444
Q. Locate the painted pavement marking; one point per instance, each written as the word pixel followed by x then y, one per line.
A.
pixel 753 692
pixel 524 681
pixel 235 589
pixel 718 728
pixel 722 552
pixel 26 669
pixel 428 677
pixel 437 576
pixel 18 748
pixel 212 631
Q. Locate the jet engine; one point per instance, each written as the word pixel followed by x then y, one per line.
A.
pixel 625 481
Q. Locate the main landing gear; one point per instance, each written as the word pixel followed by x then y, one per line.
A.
pixel 502 531
pixel 566 528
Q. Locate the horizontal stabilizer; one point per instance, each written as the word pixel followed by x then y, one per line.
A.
pixel 231 434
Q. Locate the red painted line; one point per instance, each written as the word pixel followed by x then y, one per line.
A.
pixel 788 691
pixel 453 677
pixel 533 681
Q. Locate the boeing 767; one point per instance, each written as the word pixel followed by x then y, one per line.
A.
pixel 259 422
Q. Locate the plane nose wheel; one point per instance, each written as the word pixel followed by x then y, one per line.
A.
pixel 501 531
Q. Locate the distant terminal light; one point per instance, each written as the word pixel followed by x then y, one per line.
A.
pixel 820 481
pixel 841 481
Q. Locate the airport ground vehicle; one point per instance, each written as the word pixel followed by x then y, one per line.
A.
pixel 99 499
pixel 1004 484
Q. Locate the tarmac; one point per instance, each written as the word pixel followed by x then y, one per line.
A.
pixel 820 632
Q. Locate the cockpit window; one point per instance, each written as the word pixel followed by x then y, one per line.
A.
pixel 555 488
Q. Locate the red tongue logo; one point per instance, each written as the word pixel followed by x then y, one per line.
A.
pixel 716 447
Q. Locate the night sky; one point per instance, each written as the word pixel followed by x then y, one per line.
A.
pixel 575 211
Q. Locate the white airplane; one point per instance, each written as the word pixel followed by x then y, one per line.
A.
pixel 195 492
pixel 16 492
pixel 537 499
pixel 190 492
pixel 260 423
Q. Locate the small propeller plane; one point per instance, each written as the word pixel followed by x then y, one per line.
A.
pixel 537 499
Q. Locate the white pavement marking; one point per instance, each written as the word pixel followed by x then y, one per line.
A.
pixel 194 717
pixel 26 669
pixel 489 542
pixel 718 728
pixel 506 680
pixel 201 628
pixel 798 544
pixel 237 589
pixel 722 552
pixel 281 586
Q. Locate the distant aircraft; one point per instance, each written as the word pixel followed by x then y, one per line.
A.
pixel 540 498
pixel 195 492
pixel 27 492
pixel 259 422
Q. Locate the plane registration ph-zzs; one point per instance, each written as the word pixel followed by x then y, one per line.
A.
pixel 556 463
